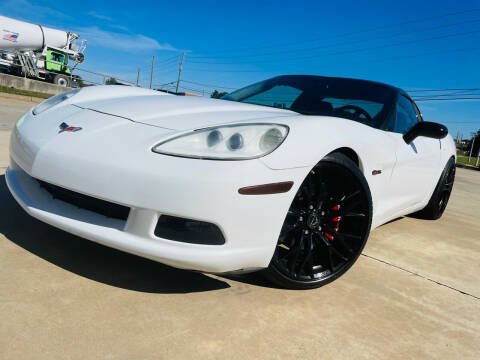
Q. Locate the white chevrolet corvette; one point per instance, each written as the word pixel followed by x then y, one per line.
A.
pixel 287 175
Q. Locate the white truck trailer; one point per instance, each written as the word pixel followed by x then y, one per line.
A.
pixel 39 52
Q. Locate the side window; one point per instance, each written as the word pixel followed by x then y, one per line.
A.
pixel 406 115
pixel 57 57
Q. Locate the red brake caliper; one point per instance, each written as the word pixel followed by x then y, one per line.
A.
pixel 336 220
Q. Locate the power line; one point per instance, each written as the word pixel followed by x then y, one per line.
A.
pixel 195 90
pixel 369 61
pixel 448 95
pixel 169 59
pixel 212 86
pixel 170 63
pixel 432 90
pixel 336 44
pixel 168 68
pixel 168 83
pixel 348 33
pixel 449 99
pixel 408 42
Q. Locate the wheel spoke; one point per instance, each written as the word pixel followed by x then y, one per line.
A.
pixel 342 242
pixel 351 196
pixel 330 259
pixel 322 195
pixel 324 239
pixel 308 258
pixel 330 245
pixel 346 235
pixel 353 214
pixel 296 253
pixel 289 234
pixel 295 212
pixel 336 252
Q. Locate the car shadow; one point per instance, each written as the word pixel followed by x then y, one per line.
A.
pixel 94 261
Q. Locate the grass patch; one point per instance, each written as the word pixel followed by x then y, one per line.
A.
pixel 10 90
pixel 464 160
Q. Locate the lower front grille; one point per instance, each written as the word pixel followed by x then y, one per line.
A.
pixel 86 202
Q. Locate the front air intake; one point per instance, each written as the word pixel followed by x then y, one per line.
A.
pixel 86 202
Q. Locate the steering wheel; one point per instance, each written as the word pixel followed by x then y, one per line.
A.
pixel 357 112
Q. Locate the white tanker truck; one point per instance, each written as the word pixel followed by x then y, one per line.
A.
pixel 39 52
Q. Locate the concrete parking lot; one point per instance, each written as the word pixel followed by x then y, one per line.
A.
pixel 415 294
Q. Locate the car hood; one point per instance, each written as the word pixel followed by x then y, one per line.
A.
pixel 181 112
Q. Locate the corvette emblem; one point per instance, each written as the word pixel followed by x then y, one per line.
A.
pixel 65 127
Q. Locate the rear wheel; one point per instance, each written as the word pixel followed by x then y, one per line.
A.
pixel 326 227
pixel 439 200
pixel 61 80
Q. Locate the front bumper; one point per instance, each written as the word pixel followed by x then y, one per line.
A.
pixel 152 185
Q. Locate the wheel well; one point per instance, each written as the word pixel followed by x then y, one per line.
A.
pixel 348 153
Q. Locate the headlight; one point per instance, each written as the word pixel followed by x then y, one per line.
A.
pixel 54 100
pixel 229 142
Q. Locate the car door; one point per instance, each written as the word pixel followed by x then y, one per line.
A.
pixel 415 171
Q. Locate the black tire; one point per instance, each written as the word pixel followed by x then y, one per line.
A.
pixel 326 227
pixel 439 200
pixel 61 80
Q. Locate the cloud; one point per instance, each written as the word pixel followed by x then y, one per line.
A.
pixel 25 9
pixel 99 16
pixel 119 41
pixel 119 27
pixel 110 22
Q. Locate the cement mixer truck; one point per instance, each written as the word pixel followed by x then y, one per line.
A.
pixel 39 52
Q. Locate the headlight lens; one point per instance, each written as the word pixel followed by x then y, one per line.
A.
pixel 230 142
pixel 54 100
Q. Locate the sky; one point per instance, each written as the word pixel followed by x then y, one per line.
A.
pixel 231 44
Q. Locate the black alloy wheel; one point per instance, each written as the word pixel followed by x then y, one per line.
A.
pixel 439 200
pixel 326 227
pixel 446 188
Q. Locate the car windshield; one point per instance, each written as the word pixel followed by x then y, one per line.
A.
pixel 363 101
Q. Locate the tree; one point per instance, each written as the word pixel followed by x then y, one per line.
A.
pixel 111 81
pixel 476 143
pixel 218 94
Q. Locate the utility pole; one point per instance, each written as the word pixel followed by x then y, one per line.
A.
pixel 151 71
pixel 471 149
pixel 179 71
pixel 138 75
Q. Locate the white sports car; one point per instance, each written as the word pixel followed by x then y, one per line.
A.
pixel 287 175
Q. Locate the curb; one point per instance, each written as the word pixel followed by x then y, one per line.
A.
pixel 470 167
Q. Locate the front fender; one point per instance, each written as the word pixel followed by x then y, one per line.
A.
pixel 311 138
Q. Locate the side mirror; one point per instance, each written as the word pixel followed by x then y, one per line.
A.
pixel 427 129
